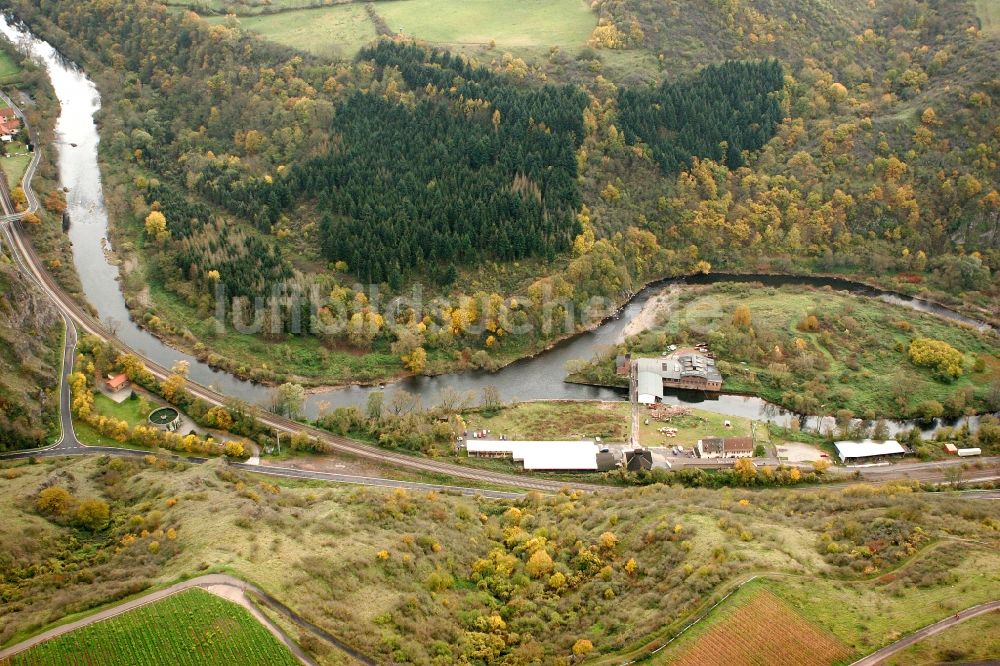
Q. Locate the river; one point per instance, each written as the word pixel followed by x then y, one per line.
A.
pixel 536 378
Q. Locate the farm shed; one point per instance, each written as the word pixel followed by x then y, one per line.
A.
pixel 868 448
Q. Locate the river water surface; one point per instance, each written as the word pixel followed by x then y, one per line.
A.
pixel 540 377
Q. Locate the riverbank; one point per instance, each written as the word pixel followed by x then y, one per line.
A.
pixel 818 351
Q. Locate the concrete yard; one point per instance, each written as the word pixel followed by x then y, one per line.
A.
pixel 797 452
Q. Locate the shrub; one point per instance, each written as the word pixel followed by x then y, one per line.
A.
pixel 928 410
pixel 582 647
pixel 93 514
pixel 539 564
pixel 945 360
pixel 54 501
pixel 809 323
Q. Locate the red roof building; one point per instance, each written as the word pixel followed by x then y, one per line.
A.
pixel 117 383
pixel 9 125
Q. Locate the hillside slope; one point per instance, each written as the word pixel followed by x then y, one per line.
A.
pixel 425 578
pixel 30 346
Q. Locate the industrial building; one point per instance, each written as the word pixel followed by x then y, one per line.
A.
pixel 867 450
pixel 569 456
pixel 685 369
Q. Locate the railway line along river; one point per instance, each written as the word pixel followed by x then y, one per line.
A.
pixel 540 377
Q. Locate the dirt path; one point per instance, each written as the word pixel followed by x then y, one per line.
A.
pixel 228 587
pixel 917 636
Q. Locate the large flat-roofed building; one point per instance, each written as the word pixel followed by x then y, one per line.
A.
pixel 684 369
pixel 867 449
pixel 574 456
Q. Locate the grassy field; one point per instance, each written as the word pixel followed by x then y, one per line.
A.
pixel 193 627
pixel 851 618
pixel 335 32
pixel 129 410
pixel 977 639
pixel 512 23
pixel 868 616
pixel 854 356
pixel 608 420
pixel 9 69
pixel 989 13
pixel 515 25
pixel 250 7
pixel 14 166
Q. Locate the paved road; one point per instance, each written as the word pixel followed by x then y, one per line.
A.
pixel 208 582
pixel 27 258
pixel 979 468
pixel 886 652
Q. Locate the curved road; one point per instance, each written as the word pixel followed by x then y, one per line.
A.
pixel 961 616
pixel 207 582
pixel 32 266
pixel 29 261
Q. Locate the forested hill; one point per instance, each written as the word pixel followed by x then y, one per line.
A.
pixel 777 135
pixel 408 162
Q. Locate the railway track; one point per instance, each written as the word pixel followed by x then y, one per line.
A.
pixel 31 264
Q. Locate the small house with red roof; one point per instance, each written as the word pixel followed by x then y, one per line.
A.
pixel 116 383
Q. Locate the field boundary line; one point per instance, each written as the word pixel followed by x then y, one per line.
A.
pixel 690 624
pixel 764 575
pixel 201 582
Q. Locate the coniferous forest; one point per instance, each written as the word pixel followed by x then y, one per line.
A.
pixel 486 171
pixel 717 113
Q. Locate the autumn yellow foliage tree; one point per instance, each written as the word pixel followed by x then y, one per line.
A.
pixel 416 361
pixel 156 227
pixel 742 317
pixel 539 564
pixel 54 501
pixel 945 360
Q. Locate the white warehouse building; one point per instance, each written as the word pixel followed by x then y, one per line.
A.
pixel 584 455
pixel 868 448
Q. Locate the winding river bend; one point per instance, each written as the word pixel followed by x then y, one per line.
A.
pixel 540 377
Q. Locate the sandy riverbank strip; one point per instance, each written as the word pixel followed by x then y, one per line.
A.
pixel 653 311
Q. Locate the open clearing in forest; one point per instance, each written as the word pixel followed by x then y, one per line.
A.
pixel 330 32
pixel 512 23
pixel 192 628
pixel 9 69
pixel 516 25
